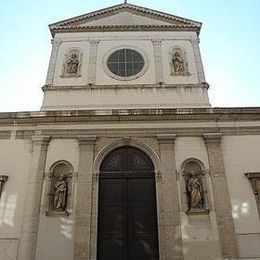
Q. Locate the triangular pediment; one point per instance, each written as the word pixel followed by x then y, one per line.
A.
pixel 125 17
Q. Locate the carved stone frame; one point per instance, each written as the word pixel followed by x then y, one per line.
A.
pixel 49 195
pixel 67 55
pixel 183 56
pixel 205 184
pixel 135 76
pixel 254 178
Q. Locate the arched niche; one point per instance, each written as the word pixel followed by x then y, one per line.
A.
pixel 59 187
pixel 178 62
pixel 72 64
pixel 194 186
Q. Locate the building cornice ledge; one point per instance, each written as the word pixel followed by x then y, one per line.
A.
pixel 177 114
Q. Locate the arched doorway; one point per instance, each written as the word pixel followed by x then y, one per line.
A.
pixel 127 213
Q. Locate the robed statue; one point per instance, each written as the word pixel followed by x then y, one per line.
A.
pixel 178 64
pixel 60 187
pixel 72 65
pixel 195 192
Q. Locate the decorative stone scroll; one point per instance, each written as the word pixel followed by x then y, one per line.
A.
pixel 60 189
pixel 195 187
pixel 72 64
pixel 178 62
pixel 3 179
pixel 254 178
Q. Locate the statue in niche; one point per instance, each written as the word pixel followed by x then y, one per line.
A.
pixel 72 65
pixel 195 192
pixel 60 187
pixel 178 64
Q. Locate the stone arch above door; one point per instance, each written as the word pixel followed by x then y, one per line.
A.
pixel 149 151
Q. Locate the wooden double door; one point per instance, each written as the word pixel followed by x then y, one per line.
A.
pixel 127 216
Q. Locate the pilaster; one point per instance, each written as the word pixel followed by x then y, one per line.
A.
pixel 222 202
pixel 84 198
pixel 158 60
pixel 93 61
pixel 27 243
pixel 53 59
pixel 169 210
pixel 198 60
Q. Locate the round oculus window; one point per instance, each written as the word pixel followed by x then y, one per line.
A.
pixel 125 62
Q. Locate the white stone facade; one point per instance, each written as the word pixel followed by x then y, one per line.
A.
pixel 169 118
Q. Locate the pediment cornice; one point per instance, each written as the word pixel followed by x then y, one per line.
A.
pixel 76 24
pixel 109 28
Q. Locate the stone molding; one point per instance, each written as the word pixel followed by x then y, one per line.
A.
pixel 128 86
pixel 127 140
pixel 178 114
pixel 40 139
pixel 123 28
pixel 212 137
pixel 75 22
pixel 87 139
pixel 5 134
pixel 166 138
pixel 254 177
pixel 3 179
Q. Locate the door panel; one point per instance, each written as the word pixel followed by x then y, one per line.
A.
pixel 127 215
pixel 142 219
pixel 112 235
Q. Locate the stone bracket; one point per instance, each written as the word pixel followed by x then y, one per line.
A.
pixel 3 179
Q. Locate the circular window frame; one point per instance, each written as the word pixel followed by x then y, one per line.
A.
pixel 127 78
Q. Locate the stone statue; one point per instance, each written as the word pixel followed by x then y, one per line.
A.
pixel 60 187
pixel 72 64
pixel 178 64
pixel 195 192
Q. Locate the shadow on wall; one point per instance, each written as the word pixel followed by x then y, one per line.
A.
pixel 66 228
pixel 240 209
pixel 7 209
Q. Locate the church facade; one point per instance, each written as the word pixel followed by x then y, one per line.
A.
pixel 126 158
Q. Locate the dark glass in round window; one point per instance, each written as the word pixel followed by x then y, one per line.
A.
pixel 125 62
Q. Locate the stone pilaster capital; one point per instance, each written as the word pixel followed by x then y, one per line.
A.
pixel 253 177
pixel 3 178
pixel 156 42
pixel 212 137
pixel 94 41
pixel 56 42
pixel 195 40
pixel 87 139
pixel 41 139
pixel 166 138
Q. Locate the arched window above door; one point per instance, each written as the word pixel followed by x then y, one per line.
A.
pixel 127 158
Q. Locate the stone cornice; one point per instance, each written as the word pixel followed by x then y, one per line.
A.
pixel 124 28
pixel 125 7
pixel 135 86
pixel 127 115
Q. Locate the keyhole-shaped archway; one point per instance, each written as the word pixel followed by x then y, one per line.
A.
pixel 127 213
